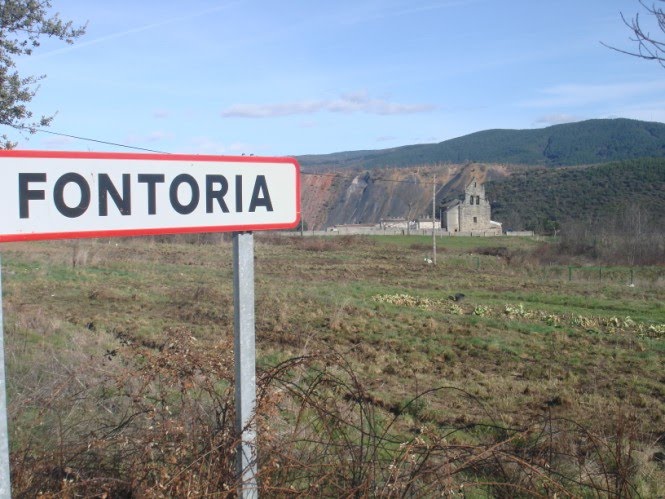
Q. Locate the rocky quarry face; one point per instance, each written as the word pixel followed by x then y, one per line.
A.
pixel 344 196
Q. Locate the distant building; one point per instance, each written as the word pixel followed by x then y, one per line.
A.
pixel 470 213
pixel 427 223
pixel 395 223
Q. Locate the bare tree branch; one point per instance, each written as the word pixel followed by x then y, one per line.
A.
pixel 649 47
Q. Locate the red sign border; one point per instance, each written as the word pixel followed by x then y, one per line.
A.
pixel 151 157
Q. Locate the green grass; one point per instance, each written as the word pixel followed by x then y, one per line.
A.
pixel 135 298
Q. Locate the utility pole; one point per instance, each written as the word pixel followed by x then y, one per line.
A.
pixel 434 219
pixel 408 220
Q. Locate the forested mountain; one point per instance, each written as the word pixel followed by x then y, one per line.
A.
pixel 538 198
pixel 585 142
pixel 602 167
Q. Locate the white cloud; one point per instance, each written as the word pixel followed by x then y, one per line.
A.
pixel 650 111
pixel 359 102
pixel 380 11
pixel 206 145
pixel 309 124
pixel 557 119
pixel 271 110
pixel 580 94
pixel 138 29
pixel 161 114
pixel 57 142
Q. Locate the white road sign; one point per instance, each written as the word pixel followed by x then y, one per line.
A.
pixel 56 195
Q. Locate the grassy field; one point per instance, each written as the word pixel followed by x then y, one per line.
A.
pixel 543 378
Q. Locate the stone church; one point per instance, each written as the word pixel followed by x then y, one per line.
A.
pixel 472 213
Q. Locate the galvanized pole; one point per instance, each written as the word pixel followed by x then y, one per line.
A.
pixel 5 485
pixel 433 220
pixel 245 361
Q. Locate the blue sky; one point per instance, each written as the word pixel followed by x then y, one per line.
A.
pixel 296 77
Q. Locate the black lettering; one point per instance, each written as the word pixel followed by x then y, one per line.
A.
pixel 106 187
pixel 260 186
pixel 212 194
pixel 59 195
pixel 238 193
pixel 25 194
pixel 152 179
pixel 184 209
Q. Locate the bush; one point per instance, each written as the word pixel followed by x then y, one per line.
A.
pixel 633 237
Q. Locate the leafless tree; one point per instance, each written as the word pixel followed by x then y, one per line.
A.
pixel 649 47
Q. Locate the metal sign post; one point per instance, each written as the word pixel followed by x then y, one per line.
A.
pixel 245 361
pixel 434 220
pixel 5 486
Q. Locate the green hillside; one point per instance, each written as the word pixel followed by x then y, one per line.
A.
pixel 534 198
pixel 583 143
